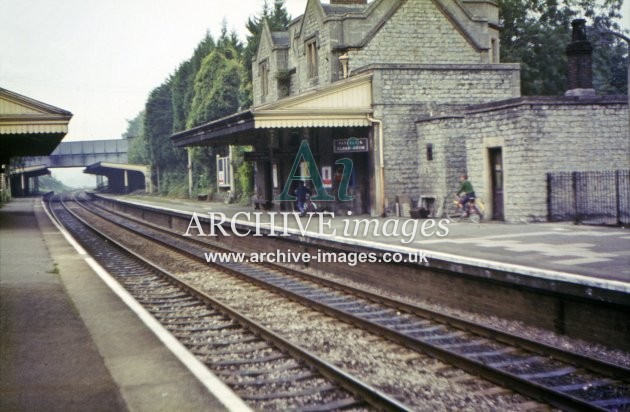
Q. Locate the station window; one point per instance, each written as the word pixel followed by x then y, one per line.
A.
pixel 264 77
pixel 223 172
pixel 311 58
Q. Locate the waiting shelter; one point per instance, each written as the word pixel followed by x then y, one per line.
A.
pixel 21 180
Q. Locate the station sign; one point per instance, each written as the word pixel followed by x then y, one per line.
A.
pixel 256 156
pixel 351 145
pixel 266 156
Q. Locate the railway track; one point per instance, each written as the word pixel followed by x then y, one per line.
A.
pixel 265 370
pixel 562 379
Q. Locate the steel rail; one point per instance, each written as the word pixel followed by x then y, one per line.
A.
pixel 586 362
pixel 496 375
pixel 346 381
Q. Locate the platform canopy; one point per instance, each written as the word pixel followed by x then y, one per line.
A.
pixel 29 127
pixel 123 178
pixel 20 179
pixel 100 167
pixel 346 103
pixel 31 171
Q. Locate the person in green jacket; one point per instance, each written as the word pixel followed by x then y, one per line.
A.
pixel 466 188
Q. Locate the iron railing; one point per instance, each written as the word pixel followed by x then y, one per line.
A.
pixel 598 197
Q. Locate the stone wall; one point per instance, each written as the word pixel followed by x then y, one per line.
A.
pixel 417 33
pixel 403 93
pixel 411 32
pixel 439 175
pixel 537 136
pixel 265 54
pixel 312 27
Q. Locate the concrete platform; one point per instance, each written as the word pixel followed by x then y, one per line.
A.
pixel 573 252
pixel 67 342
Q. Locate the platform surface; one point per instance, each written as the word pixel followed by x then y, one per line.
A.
pixel 67 342
pixel 591 251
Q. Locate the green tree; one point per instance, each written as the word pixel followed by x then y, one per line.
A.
pixel 138 148
pixel 182 90
pixel 135 126
pixel 212 84
pixel 217 83
pixel 243 174
pixel 167 161
pixel 183 82
pixel 216 94
pixel 536 32
pixel 611 54
pixel 216 89
pixel 48 183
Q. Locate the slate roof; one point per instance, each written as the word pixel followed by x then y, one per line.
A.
pixel 344 8
pixel 280 38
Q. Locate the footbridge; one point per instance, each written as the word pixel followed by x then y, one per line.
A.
pixel 103 158
pixel 83 154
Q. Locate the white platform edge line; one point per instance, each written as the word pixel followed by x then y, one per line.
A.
pixel 484 263
pixel 214 385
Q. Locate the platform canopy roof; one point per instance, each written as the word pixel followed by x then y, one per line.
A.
pixel 29 127
pixel 344 104
pixel 347 103
pixel 31 171
pixel 103 168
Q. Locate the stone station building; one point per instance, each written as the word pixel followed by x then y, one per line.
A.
pixel 413 93
pixel 508 146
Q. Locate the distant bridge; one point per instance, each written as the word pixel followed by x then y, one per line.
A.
pixel 103 158
pixel 83 153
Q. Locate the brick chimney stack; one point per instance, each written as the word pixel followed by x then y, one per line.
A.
pixel 579 62
pixel 348 1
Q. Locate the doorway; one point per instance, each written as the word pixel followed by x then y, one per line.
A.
pixel 496 178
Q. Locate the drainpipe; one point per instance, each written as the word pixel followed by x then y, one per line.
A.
pixel 381 161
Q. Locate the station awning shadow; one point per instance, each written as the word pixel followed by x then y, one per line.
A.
pixel 121 178
pixel 20 179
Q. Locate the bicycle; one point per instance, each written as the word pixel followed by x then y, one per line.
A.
pixel 309 206
pixel 455 212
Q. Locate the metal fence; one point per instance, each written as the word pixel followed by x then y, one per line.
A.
pixel 598 198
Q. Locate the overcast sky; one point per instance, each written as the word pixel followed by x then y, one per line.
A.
pixel 99 59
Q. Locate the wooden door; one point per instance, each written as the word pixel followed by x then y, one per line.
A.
pixel 496 177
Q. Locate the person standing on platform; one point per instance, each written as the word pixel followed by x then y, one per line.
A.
pixel 301 192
